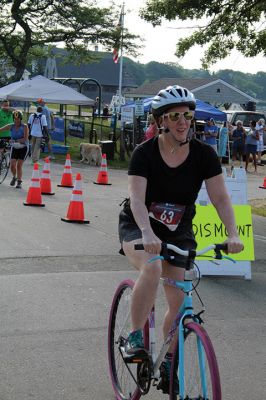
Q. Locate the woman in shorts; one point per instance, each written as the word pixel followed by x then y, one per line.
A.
pixel 165 176
pixel 19 147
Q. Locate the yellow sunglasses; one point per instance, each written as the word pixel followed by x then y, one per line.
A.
pixel 175 116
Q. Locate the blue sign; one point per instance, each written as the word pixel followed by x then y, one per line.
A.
pixel 76 129
pixel 58 133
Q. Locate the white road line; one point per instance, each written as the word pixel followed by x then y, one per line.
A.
pixel 260 237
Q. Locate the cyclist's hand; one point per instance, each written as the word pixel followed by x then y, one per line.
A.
pixel 151 243
pixel 234 244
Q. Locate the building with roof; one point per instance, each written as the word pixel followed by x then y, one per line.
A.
pixel 210 90
pixel 103 70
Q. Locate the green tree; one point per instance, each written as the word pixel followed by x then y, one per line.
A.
pixel 231 24
pixel 28 28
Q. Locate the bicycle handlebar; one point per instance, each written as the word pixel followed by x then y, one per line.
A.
pixel 189 253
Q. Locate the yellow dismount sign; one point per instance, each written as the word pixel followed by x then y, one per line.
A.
pixel 209 229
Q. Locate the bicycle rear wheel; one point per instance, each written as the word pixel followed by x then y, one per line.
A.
pixel 4 167
pixel 123 376
pixel 200 383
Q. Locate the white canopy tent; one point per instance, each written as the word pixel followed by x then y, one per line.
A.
pixel 50 91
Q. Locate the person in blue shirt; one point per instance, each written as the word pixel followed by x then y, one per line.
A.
pixel 210 133
pixel 19 134
pixel 251 144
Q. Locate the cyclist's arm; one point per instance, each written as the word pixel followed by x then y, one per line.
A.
pixel 220 199
pixel 137 190
pixel 5 128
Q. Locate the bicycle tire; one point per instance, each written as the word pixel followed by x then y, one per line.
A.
pixel 4 167
pixel 193 390
pixel 124 386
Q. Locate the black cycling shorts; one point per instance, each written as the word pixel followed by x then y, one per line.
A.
pixel 19 154
pixel 128 231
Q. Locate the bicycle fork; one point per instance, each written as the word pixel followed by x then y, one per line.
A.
pixel 181 353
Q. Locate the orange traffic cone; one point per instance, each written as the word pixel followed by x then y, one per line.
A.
pixel 76 210
pixel 34 197
pixel 66 180
pixel 102 178
pixel 264 184
pixel 46 186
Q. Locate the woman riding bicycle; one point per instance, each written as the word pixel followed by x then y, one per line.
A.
pixel 19 147
pixel 165 176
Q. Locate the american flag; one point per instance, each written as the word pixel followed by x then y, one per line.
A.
pixel 119 28
pixel 115 55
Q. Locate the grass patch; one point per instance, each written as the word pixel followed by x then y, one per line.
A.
pixel 258 207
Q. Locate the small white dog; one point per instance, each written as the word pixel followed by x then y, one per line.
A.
pixel 91 153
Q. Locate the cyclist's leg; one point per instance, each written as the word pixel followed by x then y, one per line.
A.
pixel 13 166
pixel 174 296
pixel 145 287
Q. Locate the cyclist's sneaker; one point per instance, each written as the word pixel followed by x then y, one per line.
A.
pixel 164 383
pixel 13 181
pixel 19 186
pixel 134 345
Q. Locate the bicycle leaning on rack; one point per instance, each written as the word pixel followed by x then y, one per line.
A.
pixel 4 159
pixel 194 365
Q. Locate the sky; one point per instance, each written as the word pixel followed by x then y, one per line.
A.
pixel 156 50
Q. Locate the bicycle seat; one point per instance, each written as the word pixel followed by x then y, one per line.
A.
pixel 191 274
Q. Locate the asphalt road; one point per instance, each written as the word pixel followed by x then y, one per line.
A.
pixel 56 286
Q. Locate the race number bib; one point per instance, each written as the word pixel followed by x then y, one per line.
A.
pixel 168 214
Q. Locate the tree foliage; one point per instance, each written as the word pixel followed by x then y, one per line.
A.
pixel 231 24
pixel 28 27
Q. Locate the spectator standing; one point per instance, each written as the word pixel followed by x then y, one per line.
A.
pixel 223 140
pixel 210 133
pixel 251 144
pixel 19 146
pixel 152 129
pixel 37 126
pixel 50 126
pixel 6 118
pixel 238 138
pixel 260 127
pixel 105 112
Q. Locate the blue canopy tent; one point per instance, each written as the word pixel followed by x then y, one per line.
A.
pixel 203 110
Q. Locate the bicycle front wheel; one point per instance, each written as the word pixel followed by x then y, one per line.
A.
pixel 4 167
pixel 123 376
pixel 201 373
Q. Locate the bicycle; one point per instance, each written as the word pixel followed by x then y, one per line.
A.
pixel 194 362
pixel 4 159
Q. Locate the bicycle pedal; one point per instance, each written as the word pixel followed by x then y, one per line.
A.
pixel 135 358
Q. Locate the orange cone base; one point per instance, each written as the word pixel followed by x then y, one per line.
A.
pixel 75 221
pixel 34 205
pixel 98 183
pixel 47 194
pixel 262 187
pixel 65 186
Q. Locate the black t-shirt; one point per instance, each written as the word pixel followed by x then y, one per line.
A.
pixel 178 185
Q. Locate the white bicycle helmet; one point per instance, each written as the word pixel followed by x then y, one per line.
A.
pixel 170 97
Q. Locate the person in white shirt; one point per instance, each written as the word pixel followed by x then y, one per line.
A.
pixel 38 129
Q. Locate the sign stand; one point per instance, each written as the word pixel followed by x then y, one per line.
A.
pixel 237 188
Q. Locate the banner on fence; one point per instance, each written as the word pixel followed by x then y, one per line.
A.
pixel 76 129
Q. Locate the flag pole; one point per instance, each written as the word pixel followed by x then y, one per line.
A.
pixel 121 56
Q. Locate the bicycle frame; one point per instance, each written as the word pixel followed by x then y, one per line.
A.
pixel 185 311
